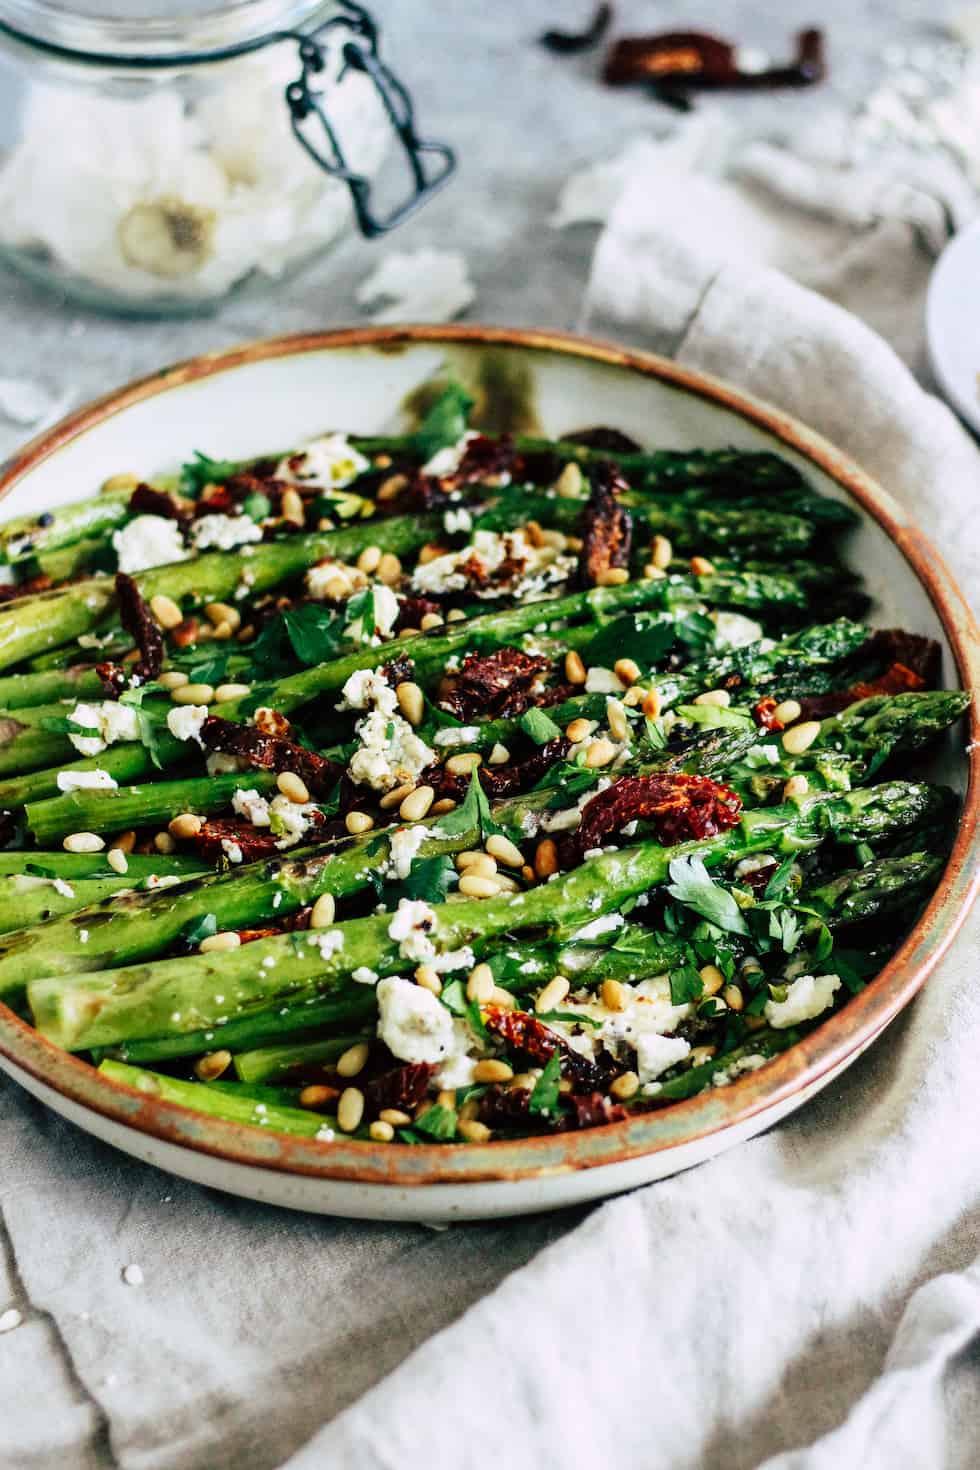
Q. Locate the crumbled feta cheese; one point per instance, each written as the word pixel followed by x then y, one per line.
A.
pixel 60 886
pixel 363 976
pixel 808 996
pixel 457 520
pixel 390 753
pixel 328 463
pixel 86 780
pixel 409 928
pixel 112 721
pixel 289 820
pixel 457 1069
pixel 655 1053
pixel 457 735
pixel 328 941
pixel 368 688
pixel 605 925
pixel 148 541
pixel 413 1023
pixel 224 533
pixel 250 805
pixel 184 721
pixel 447 461
pixel 231 850
pixel 729 1074
pixel 386 610
pixel 603 681
pixel 493 564
pixel 403 849
pixel 734 630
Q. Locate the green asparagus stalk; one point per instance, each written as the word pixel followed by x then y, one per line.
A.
pixel 95 810
pixel 273 1063
pixel 19 691
pixel 24 536
pixel 219 1102
pixel 71 865
pixel 112 1006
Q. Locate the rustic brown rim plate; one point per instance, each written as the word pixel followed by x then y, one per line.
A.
pixel 799 1071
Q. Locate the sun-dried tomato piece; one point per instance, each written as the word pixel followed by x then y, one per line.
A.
pixel 253 842
pixel 607 529
pixel 402 1087
pixel 498 781
pixel 920 654
pixel 536 1041
pixel 9 592
pixel 147 501
pixel 485 460
pixel 614 441
pixel 135 616
pixel 186 633
pixel 898 679
pixel 397 670
pixel 681 808
pixel 590 1110
pixel 502 1106
pixel 269 752
pixel 497 685
pixel 290 924
pixel 764 714
pixel 411 611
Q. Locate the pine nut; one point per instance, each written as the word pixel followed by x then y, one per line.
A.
pixel 701 566
pixel 411 701
pixel 166 611
pixel 293 787
pixel 431 552
pixel 353 1060
pixel 455 615
pixel 368 559
pixel 389 568
pixel 464 763
pixel 391 488
pixel 337 588
pixel 164 843
pixel 480 983
pixel 574 668
pixel 358 822
pixel 225 939
pixel 626 1086
pixel 124 480
pixel 733 997
pixel 193 694
pixel 317 1095
pixel 184 826
pixel 471 855
pixel 210 1067
pixel 431 620
pixel 499 756
pixel 528 873
pixel 599 753
pixel 719 697
pixel 83 842
pixel 702 1054
pixel 395 1117
pixel 173 679
pixel 291 507
pixel 534 534
pixel 441 807
pixel 502 999
pixel 472 1130
pixel 801 737
pixel 125 841
pixel 557 539
pixel 652 704
pixel 551 997
pixel 492 1070
pixel 711 979
pixel 350 1109
pixel 395 798
pixel 323 911
pixel 661 552
pixel 633 698
pixel 429 980
pixel 246 634
pixel 417 804
pixel 117 860
pixel 627 670
pixel 652 573
pixel 226 692
pixel 788 712
pixel 569 482
pixel 795 786
pixel 612 577
pixel 380 1131
pixel 524 1080
pixel 475 886
pixel 507 884
pixel 619 725
pixel 504 851
pixel 546 858
pixel 223 612
pixel 614 996
pixel 409 632
pixel 579 729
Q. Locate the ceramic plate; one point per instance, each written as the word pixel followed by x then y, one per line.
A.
pixel 240 403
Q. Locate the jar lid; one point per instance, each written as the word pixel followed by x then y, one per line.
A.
pixel 135 29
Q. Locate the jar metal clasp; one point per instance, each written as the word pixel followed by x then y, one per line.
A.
pixel 430 163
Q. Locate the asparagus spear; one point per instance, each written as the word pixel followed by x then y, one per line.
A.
pixel 24 536
pixel 71 865
pixel 94 810
pixel 218 1102
pixel 108 1007
pixel 270 1063
pixel 145 924
pixel 18 691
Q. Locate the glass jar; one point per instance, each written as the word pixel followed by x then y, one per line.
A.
pixel 153 164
